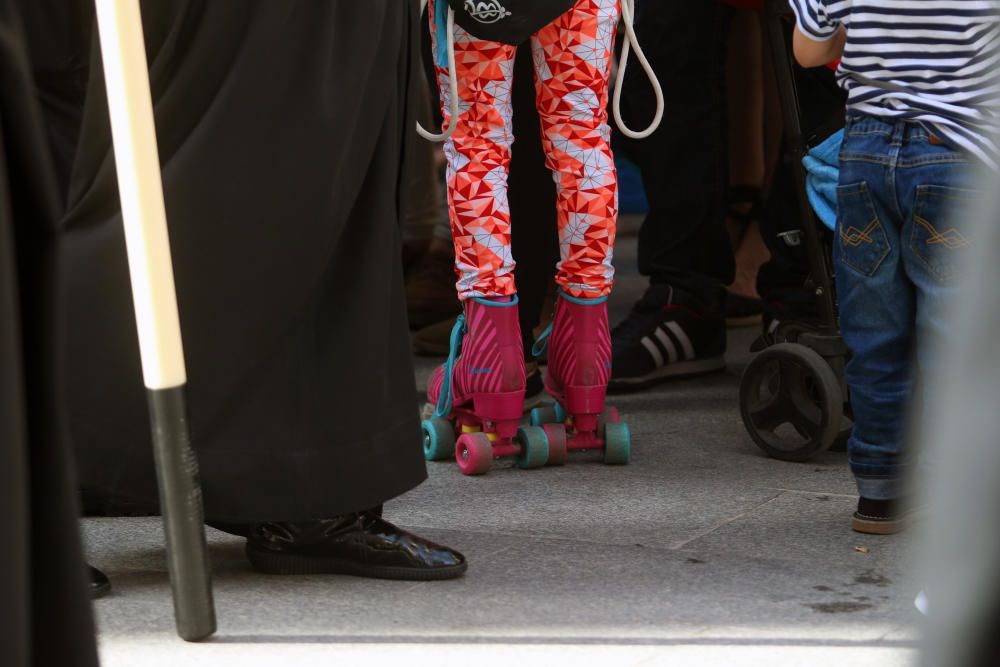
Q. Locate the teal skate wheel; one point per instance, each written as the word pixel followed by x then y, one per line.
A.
pixel 439 439
pixel 542 415
pixel 534 447
pixel 617 443
pixel 474 453
pixel 547 414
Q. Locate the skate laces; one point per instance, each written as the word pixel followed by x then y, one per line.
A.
pixel 444 403
pixel 538 349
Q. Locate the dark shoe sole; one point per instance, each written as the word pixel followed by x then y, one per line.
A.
pixel 674 371
pixel 293 564
pixel 100 590
pixel 876 525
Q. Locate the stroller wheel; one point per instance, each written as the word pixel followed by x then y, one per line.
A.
pixel 791 402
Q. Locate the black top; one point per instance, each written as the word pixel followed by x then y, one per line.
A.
pixel 281 129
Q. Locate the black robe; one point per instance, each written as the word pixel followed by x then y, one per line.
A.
pixel 46 618
pixel 281 129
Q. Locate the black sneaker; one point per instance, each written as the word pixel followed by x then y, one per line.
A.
pixel 664 337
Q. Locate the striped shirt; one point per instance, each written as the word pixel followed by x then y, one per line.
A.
pixel 934 62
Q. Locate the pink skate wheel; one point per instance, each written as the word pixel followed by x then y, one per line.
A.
pixel 556 433
pixel 474 453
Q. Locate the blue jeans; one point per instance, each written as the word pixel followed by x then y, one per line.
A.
pixel 896 253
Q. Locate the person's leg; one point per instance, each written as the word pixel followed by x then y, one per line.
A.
pixel 484 379
pixel 572 69
pixel 684 164
pixel 678 328
pixel 936 187
pixel 745 109
pixel 877 306
pixel 478 156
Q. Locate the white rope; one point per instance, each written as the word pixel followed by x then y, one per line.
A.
pixel 632 42
pixel 453 79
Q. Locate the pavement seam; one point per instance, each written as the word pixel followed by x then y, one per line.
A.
pixel 680 545
pixel 807 492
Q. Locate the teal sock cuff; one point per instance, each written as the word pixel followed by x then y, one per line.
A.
pixel 497 304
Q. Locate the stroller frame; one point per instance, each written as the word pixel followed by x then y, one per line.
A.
pixel 798 379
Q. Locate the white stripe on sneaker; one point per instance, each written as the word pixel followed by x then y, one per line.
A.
pixel 668 344
pixel 653 351
pixel 682 338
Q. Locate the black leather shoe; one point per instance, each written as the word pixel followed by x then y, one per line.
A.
pixel 363 545
pixel 99 583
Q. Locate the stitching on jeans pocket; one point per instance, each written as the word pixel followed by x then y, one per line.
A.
pixel 863 243
pixel 936 238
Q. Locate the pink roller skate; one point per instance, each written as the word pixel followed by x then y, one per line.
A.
pixel 479 392
pixel 579 357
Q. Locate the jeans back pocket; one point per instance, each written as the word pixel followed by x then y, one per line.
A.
pixel 939 214
pixel 861 239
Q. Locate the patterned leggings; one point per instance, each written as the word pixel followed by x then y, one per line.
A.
pixel 572 59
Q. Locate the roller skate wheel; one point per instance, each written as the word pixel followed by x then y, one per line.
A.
pixel 439 439
pixel 556 434
pixel 542 415
pixel 617 443
pixel 474 453
pixel 534 447
pixel 547 414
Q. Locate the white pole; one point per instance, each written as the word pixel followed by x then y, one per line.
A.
pixel 137 158
pixel 141 191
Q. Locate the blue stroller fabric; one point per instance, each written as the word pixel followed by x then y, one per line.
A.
pixel 822 176
pixel 441 33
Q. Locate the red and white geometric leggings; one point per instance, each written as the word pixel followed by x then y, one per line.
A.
pixel 572 58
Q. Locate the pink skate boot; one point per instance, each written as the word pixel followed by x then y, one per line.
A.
pixel 479 392
pixel 579 354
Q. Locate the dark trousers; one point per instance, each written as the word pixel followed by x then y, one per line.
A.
pixel 532 197
pixel 683 240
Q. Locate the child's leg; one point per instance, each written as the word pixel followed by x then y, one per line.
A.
pixel 572 66
pixel 877 307
pixel 482 384
pixel 941 198
pixel 478 155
